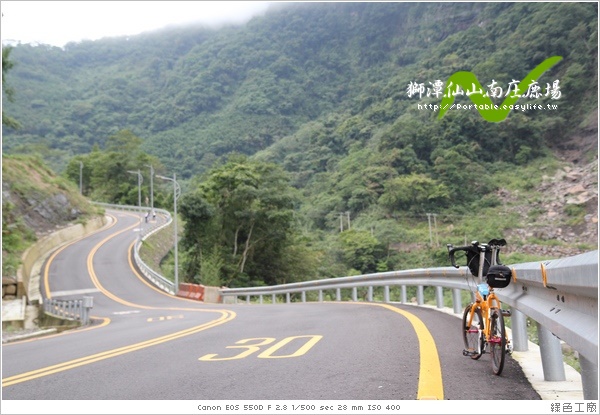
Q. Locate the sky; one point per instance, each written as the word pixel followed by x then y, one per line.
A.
pixel 59 22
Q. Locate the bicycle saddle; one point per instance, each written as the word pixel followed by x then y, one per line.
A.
pixel 497 242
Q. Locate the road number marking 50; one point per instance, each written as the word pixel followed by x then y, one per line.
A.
pixel 253 345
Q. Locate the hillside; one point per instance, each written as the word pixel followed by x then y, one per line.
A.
pixel 35 202
pixel 195 94
pixel 322 90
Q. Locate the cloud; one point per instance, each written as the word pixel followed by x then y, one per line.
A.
pixel 59 22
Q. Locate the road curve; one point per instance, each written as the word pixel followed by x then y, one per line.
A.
pixel 146 344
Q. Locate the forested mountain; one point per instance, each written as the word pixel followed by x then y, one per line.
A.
pixel 324 91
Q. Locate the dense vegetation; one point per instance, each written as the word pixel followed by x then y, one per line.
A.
pixel 313 98
pixel 35 201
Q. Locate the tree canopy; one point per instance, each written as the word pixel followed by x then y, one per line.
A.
pixel 328 108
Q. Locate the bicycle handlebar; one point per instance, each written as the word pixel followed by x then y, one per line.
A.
pixel 475 247
pixel 452 249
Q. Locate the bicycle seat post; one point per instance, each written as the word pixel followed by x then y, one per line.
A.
pixel 495 250
pixel 482 248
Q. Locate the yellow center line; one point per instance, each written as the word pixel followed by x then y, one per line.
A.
pixel 226 316
pixel 62 248
pixel 12 380
pixel 430 371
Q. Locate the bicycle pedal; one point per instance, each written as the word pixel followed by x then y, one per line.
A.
pixel 506 313
pixel 469 352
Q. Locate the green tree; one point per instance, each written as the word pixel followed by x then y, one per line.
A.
pixel 361 251
pixel 245 209
pixel 7 65
pixel 105 173
pixel 465 180
pixel 414 192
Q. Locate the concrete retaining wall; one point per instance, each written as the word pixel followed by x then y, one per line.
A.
pixel 33 258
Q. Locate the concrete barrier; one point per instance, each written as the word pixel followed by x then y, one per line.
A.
pixel 33 258
pixel 184 290
pixel 198 292
pixel 212 295
pixel 191 291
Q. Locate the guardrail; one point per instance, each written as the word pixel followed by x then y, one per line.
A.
pixel 560 295
pixel 74 310
pixel 145 232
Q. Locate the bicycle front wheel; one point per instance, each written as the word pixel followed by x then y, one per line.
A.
pixel 473 334
pixel 497 340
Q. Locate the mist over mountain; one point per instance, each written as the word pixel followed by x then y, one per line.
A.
pixel 323 91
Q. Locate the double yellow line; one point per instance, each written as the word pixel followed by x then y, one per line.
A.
pixel 226 316
pixel 24 377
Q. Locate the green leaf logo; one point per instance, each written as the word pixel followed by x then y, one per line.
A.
pixel 487 109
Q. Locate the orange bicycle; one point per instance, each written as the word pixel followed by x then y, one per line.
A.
pixel 483 327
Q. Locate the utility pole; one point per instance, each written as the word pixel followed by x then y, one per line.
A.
pixel 341 222
pixel 348 216
pixel 437 239
pixel 429 222
pixel 81 178
pixel 140 180
pixel 176 194
pixel 151 186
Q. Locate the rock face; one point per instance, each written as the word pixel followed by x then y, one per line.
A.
pixel 54 209
pixel 35 202
pixel 37 214
pixel 566 213
pixel 40 213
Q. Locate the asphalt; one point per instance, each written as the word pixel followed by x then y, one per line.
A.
pixel 530 360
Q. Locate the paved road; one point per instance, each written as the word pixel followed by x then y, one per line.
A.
pixel 146 344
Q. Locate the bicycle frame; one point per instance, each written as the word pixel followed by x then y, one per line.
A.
pixel 485 305
pixel 490 301
pixel 483 319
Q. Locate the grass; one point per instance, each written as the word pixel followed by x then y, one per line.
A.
pixel 569 355
pixel 28 178
pixel 494 217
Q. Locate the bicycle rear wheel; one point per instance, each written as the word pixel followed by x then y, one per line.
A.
pixel 497 340
pixel 473 334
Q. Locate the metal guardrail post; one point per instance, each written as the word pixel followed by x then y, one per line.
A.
pixel 146 231
pixel 386 294
pixel 370 294
pixel 303 296
pixel 519 330
pixel 439 297
pixel 403 294
pixel 561 294
pixel 87 304
pixel 338 294
pixel 354 294
pixel 420 295
pixel 287 298
pixel 74 310
pixel 273 299
pixel 589 378
pixel 457 301
pixel 551 352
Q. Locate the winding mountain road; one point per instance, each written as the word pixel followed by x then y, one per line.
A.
pixel 145 344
